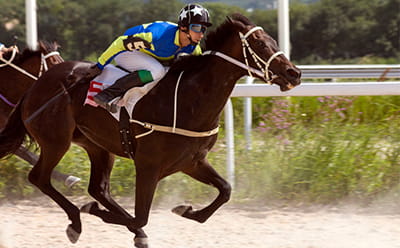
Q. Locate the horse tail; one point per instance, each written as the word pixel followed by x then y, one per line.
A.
pixel 13 135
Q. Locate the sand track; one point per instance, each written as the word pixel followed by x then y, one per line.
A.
pixel 41 224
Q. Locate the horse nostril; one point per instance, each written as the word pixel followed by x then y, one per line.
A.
pixel 294 73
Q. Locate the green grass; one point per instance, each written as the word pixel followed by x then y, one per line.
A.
pixel 309 149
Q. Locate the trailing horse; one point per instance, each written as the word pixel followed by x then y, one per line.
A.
pixel 18 72
pixel 169 137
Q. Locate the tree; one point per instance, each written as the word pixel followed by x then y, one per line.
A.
pixel 12 19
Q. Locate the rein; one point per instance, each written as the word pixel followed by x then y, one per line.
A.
pixel 43 66
pixel 261 72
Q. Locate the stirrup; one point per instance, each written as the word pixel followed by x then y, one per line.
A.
pixel 111 107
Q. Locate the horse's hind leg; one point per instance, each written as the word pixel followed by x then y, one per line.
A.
pixel 203 172
pixel 40 175
pixel 99 188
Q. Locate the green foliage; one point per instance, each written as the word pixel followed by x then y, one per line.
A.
pixel 322 150
pixel 325 30
pixel 13 178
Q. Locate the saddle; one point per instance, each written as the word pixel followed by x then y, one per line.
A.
pixel 108 77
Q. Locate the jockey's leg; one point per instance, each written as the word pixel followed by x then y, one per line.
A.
pixel 133 79
pixel 144 69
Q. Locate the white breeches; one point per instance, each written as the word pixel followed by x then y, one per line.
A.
pixel 135 61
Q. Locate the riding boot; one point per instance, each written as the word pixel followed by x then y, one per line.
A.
pixel 117 89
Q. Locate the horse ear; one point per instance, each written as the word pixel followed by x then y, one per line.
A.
pixel 229 19
pixel 56 44
pixel 236 23
pixel 41 45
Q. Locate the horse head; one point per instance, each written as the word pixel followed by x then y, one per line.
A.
pixel 262 56
pixel 50 54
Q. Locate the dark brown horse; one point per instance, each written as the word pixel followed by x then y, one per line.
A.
pixel 18 72
pixel 205 84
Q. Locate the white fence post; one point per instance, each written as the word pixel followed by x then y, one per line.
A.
pixel 248 116
pixel 283 27
pixel 31 24
pixel 230 144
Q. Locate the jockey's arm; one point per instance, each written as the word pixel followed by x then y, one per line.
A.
pixel 123 43
pixel 108 55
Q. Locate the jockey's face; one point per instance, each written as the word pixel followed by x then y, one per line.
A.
pixel 196 36
pixel 188 36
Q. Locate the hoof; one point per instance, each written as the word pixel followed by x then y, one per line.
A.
pixel 141 242
pixel 87 207
pixel 72 235
pixel 181 210
pixel 71 181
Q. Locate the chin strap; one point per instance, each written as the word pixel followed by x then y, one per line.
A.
pixel 190 38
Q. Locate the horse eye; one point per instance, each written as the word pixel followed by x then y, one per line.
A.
pixel 260 43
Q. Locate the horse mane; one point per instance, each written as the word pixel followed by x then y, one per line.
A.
pixel 226 29
pixel 43 47
pixel 213 41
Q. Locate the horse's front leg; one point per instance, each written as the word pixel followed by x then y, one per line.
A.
pixel 205 173
pixel 146 182
pixel 99 187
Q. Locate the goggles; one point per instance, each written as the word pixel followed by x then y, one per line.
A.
pixel 198 28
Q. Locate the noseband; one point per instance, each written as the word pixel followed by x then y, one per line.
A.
pixel 43 63
pixel 262 72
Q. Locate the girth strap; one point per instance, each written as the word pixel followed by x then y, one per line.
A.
pixel 167 129
pixel 125 134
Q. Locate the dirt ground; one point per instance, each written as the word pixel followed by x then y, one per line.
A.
pixel 41 224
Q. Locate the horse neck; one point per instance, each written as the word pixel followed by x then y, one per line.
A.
pixel 212 88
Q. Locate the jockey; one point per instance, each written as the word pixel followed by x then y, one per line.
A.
pixel 142 50
pixel 4 49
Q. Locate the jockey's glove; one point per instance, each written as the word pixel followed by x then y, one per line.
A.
pixel 93 71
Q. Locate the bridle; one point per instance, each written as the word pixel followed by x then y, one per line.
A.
pixel 262 72
pixel 43 67
pixel 256 58
pixel 43 63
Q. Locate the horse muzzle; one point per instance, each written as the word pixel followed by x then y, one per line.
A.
pixel 288 79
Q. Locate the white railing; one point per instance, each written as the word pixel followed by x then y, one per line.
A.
pixel 248 90
pixel 350 71
pixel 320 89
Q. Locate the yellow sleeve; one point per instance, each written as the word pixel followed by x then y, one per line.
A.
pixel 197 50
pixel 108 55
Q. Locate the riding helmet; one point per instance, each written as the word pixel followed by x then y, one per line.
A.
pixel 194 14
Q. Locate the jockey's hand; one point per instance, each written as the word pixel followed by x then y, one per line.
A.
pixel 93 71
pixel 136 43
pixel 15 47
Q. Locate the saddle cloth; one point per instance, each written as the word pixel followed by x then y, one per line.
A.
pixel 107 77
